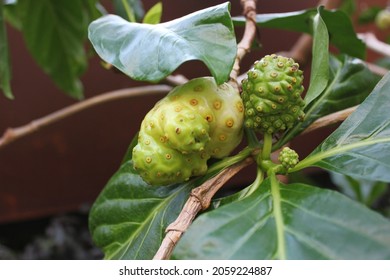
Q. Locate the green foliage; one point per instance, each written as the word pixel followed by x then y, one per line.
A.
pixel 153 16
pixel 267 219
pixel 129 218
pixel 348 7
pixel 320 64
pixel 364 191
pixel 340 28
pixel 205 35
pixel 294 222
pixel 132 10
pixel 57 49
pixel 55 33
pixel 360 147
pixel 368 15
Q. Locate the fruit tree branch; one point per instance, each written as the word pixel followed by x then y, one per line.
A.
pixel 200 199
pixel 244 46
pixel 373 43
pixel 330 119
pixel 12 134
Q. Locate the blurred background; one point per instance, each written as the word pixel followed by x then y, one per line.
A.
pixel 49 179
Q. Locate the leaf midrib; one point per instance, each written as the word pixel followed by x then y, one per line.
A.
pixel 312 160
pixel 279 220
pixel 339 223
pixel 148 219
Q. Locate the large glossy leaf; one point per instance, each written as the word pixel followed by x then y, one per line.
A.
pixel 360 147
pixel 365 191
pixel 350 82
pixel 5 65
pixel 129 218
pixel 294 221
pixel 340 28
pixel 320 63
pixel 55 32
pixel 151 52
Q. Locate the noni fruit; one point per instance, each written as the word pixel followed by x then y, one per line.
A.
pixel 272 94
pixel 382 19
pixel 194 122
pixel 288 158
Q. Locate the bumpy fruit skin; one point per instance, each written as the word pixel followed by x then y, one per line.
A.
pixel 288 158
pixel 382 19
pixel 272 94
pixel 194 122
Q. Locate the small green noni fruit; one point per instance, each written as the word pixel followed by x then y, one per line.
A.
pixel 194 122
pixel 288 158
pixel 382 19
pixel 272 94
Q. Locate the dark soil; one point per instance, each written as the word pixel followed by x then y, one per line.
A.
pixel 63 237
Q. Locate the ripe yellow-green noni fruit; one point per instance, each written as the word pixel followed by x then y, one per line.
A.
pixel 194 122
pixel 272 94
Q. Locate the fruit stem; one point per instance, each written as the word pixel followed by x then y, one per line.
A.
pixel 253 142
pixel 228 161
pixel 267 146
pixel 256 184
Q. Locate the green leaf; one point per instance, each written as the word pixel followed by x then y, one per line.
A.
pixel 54 32
pixel 361 190
pixel 383 62
pixel 320 62
pixel 348 7
pixel 153 16
pixel 368 15
pixel 350 82
pixel 129 152
pixel 360 147
pixel 5 65
pixel 151 52
pixel 134 7
pixel 299 221
pixel 129 217
pixel 93 9
pixel 341 31
pixel 12 16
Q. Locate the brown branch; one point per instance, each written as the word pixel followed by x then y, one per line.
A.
pixel 200 199
pixel 244 46
pixel 176 80
pixel 373 43
pixel 12 134
pixel 376 69
pixel 330 119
